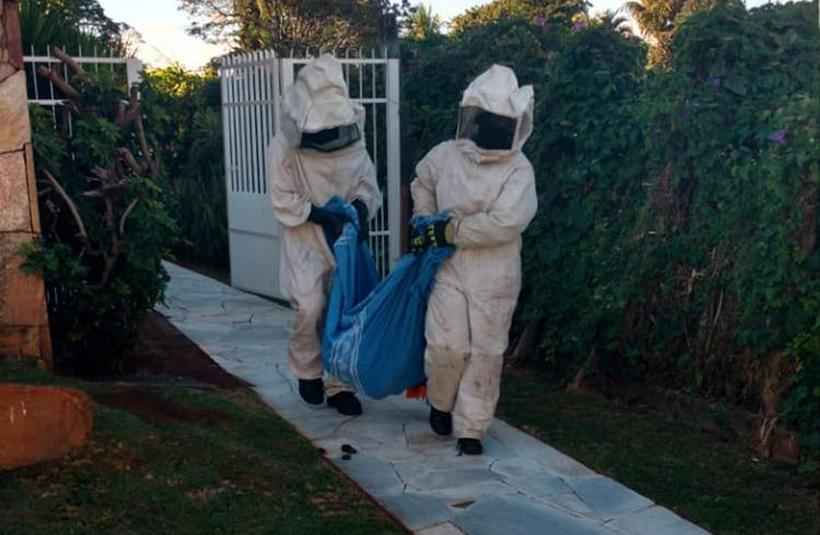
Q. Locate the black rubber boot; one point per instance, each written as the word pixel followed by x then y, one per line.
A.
pixel 441 422
pixel 470 446
pixel 312 391
pixel 346 403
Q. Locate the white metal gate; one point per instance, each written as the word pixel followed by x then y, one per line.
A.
pixel 252 84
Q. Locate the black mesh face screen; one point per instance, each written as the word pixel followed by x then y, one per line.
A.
pixel 488 130
pixel 331 139
pixel 495 132
pixel 321 137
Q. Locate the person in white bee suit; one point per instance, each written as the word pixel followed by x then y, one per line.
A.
pixel 320 154
pixel 487 186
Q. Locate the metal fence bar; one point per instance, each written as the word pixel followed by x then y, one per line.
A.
pixel 232 161
pixel 34 76
pixel 393 123
pixel 253 171
pixel 266 127
pixel 260 126
pixel 102 60
pixel 226 81
pixel 252 124
pixel 243 132
pixel 227 138
pixel 133 69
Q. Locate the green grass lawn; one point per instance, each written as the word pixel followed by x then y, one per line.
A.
pixel 190 461
pixel 183 461
pixel 717 485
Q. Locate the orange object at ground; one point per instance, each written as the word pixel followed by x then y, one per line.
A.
pixel 41 423
pixel 417 392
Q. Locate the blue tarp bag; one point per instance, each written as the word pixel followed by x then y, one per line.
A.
pixel 373 336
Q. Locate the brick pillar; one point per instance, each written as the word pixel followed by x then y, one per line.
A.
pixel 23 316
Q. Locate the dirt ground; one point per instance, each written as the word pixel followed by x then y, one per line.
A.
pixel 164 356
pixel 164 353
pixel 154 408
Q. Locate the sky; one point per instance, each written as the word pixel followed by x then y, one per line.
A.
pixel 162 27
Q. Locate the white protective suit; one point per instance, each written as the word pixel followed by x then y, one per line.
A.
pixel 300 177
pixel 491 197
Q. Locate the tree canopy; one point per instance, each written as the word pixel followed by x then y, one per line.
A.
pixel 423 23
pixel 287 24
pixel 72 24
pixel 658 20
pixel 542 11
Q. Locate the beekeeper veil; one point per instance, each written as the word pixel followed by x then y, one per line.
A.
pixel 495 113
pixel 316 110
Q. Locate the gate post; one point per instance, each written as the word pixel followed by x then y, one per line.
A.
pixel 133 72
pixel 23 317
pixel 394 161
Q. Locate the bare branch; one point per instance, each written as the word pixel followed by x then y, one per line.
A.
pixel 68 60
pixel 129 159
pixel 106 190
pixel 128 111
pixel 70 203
pixel 134 99
pixel 119 113
pixel 152 164
pixel 101 174
pixel 110 259
pixel 126 214
pixel 58 81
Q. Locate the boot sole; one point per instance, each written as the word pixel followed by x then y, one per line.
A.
pixel 313 406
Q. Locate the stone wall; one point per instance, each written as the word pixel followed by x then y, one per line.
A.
pixel 23 317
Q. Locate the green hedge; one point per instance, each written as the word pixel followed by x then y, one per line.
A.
pixel 185 107
pixel 675 240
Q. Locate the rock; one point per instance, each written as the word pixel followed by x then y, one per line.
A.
pixel 24 294
pixel 41 423
pixel 23 317
pixel 13 40
pixel 16 129
pixel 15 215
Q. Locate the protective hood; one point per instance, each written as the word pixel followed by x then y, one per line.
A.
pixel 496 91
pixel 318 100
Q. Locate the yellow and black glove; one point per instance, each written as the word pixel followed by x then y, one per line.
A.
pixel 438 234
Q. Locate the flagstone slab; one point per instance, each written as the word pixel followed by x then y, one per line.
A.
pixel 519 486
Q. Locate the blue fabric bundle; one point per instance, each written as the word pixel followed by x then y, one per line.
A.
pixel 373 337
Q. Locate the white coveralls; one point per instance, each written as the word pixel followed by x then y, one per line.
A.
pixel 491 197
pixel 300 177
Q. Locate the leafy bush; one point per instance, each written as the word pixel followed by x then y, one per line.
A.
pixel 185 107
pixel 676 240
pixel 589 161
pixel 105 225
pixel 726 253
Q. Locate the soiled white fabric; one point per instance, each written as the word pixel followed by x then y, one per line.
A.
pixel 491 198
pixel 303 177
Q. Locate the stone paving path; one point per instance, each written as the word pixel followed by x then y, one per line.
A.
pixel 520 486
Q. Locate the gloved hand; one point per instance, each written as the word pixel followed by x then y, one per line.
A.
pixel 435 235
pixel 418 240
pixel 364 220
pixel 331 222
